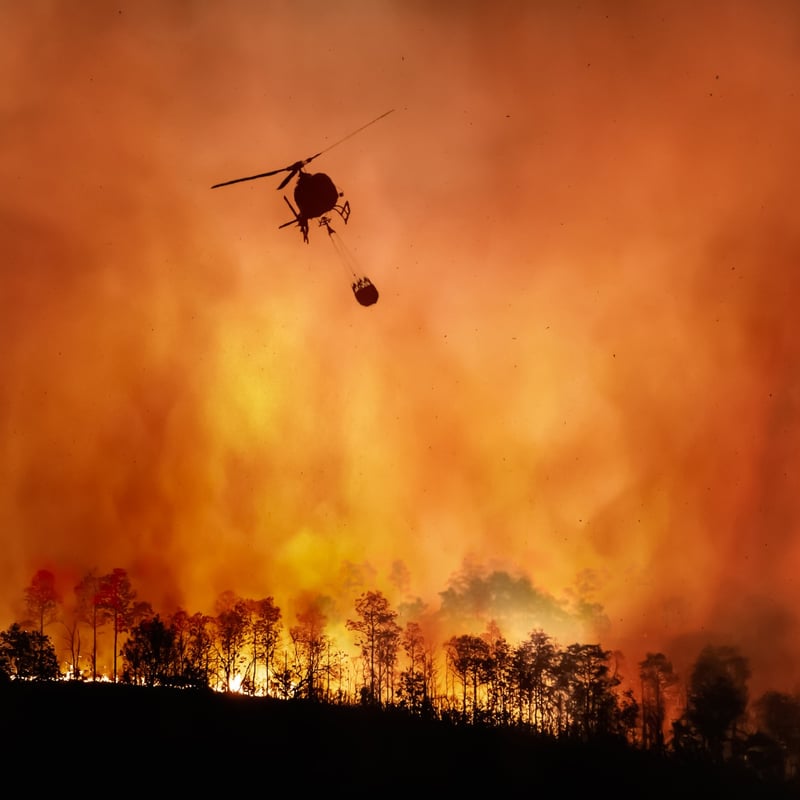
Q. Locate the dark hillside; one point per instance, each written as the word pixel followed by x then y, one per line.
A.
pixel 63 735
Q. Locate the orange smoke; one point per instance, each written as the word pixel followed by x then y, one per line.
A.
pixel 582 370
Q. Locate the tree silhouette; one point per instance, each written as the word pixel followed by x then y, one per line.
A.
pixel 625 711
pixel 114 600
pixel 586 678
pixel 231 624
pixel 283 679
pixel 717 696
pixel 657 679
pixel 42 599
pixel 500 596
pixel 534 668
pixel 779 716
pixel 416 681
pixel 310 643
pixel 148 655
pixel 73 639
pixel 378 637
pixel 194 648
pixel 468 657
pixel 86 611
pixel 499 674
pixel 265 628
pixel 27 655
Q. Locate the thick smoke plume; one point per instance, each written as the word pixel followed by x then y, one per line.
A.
pixel 582 373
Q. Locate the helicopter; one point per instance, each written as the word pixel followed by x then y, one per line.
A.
pixel 314 193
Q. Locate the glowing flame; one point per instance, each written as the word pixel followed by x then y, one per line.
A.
pixel 582 371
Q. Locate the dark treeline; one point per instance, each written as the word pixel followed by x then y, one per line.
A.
pixel 80 737
pixel 535 688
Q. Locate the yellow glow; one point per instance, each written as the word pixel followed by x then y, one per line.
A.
pixel 583 360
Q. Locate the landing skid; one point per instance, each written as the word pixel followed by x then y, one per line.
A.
pixel 343 211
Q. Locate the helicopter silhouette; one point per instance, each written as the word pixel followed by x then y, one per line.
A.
pixel 314 193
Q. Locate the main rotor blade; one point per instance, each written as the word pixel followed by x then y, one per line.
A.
pixel 288 178
pixel 349 135
pixel 292 169
pixel 252 177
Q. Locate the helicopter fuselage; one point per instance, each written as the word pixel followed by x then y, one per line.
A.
pixel 315 194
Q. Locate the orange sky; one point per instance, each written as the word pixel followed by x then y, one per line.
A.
pixel 583 366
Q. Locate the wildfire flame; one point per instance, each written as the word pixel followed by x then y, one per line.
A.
pixel 583 371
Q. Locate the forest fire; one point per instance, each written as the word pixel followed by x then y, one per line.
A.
pixel 566 693
pixel 574 409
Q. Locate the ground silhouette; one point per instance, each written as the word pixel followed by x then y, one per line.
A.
pixel 62 736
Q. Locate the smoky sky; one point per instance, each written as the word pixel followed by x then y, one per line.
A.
pixel 582 223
